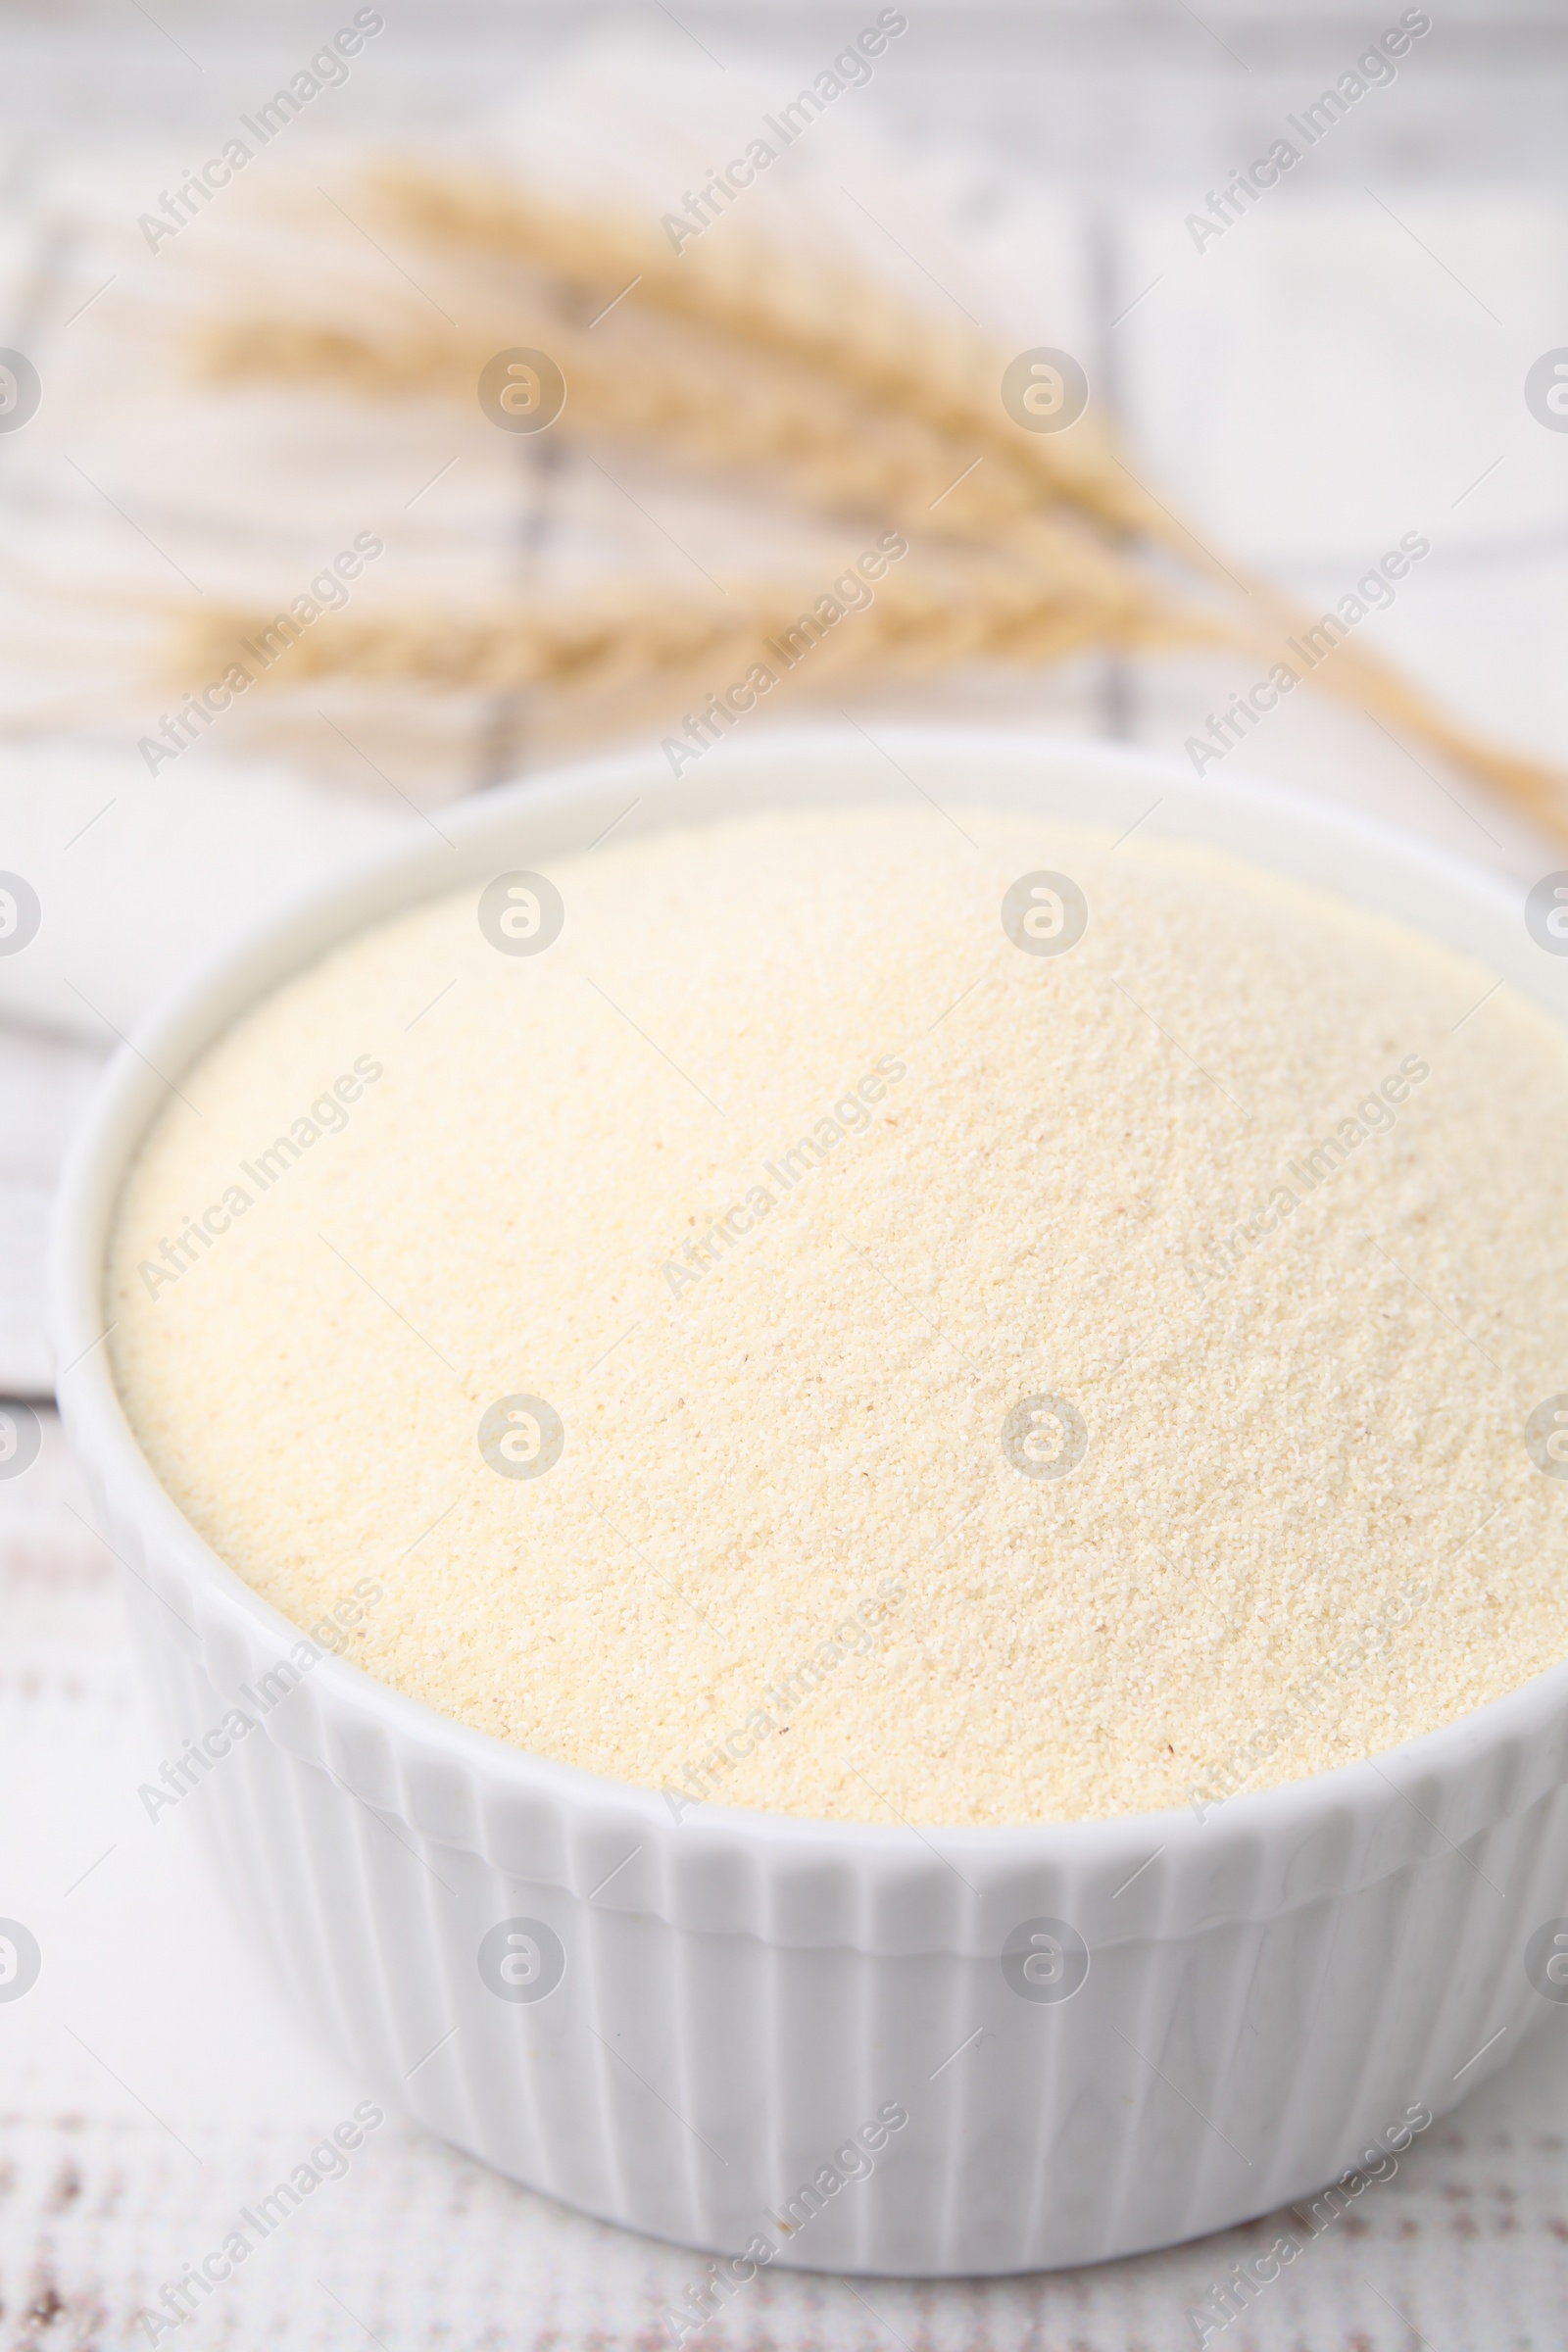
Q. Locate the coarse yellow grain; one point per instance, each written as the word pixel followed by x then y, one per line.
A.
pixel 784 1177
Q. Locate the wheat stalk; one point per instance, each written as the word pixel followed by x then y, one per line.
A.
pixel 818 438
pixel 837 389
pixel 848 326
pixel 941 374
pixel 837 460
pixel 649 640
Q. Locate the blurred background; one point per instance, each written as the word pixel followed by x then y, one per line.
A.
pixel 254 268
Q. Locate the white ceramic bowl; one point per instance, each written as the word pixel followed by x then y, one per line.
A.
pixel 1269 1988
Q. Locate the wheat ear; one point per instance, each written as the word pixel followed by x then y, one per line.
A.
pixel 840 462
pixel 713 407
pixel 629 638
pixel 943 374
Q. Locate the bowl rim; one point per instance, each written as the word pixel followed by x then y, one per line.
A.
pixel 132 1089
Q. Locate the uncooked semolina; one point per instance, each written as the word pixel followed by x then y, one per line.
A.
pixel 792 1343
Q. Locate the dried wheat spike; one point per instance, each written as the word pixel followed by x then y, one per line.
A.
pixel 940 373
pixel 858 403
pixel 621 638
pixel 848 325
pixel 715 406
pixel 840 462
